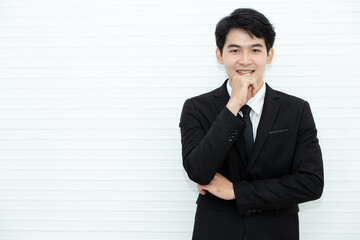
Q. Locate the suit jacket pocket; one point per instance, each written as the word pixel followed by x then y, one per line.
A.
pixel 210 201
pixel 287 211
pixel 281 133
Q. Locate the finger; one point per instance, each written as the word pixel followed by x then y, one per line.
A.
pixel 253 85
pixel 249 92
pixel 253 92
pixel 201 189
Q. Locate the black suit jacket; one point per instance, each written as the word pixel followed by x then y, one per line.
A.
pixel 285 167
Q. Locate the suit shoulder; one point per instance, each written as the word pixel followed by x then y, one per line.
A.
pixel 292 104
pixel 201 106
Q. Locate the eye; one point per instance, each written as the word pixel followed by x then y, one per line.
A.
pixel 235 51
pixel 256 50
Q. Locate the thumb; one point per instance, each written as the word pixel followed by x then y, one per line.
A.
pixel 201 189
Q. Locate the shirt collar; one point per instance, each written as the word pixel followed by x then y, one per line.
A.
pixel 256 103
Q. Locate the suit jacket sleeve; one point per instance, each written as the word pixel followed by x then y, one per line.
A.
pixel 304 183
pixel 204 152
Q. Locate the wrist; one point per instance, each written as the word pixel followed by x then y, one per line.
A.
pixel 233 106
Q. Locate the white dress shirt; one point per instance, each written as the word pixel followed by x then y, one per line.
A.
pixel 256 103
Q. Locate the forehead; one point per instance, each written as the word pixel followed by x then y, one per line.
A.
pixel 241 37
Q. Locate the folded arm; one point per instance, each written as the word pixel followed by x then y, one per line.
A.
pixel 205 152
pixel 304 183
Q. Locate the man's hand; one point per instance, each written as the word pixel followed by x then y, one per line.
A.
pixel 242 89
pixel 220 186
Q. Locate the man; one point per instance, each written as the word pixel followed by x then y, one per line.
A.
pixel 252 150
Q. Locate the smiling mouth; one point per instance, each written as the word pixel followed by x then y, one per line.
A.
pixel 245 71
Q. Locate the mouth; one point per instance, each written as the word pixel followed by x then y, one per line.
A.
pixel 245 71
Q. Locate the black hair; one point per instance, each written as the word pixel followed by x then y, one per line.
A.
pixel 251 21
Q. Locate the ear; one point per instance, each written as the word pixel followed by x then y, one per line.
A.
pixel 218 56
pixel 270 56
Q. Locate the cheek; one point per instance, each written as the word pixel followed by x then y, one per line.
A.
pixel 228 64
pixel 232 65
pixel 261 64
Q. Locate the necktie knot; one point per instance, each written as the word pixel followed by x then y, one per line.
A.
pixel 245 110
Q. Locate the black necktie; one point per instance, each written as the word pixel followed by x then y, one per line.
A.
pixel 248 130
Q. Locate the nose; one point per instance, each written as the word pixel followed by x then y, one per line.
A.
pixel 245 59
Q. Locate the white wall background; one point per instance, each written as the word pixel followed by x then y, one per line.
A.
pixel 90 98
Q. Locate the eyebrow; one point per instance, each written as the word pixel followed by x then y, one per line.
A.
pixel 238 46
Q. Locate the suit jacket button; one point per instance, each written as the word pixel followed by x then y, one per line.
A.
pixel 230 138
pixel 236 131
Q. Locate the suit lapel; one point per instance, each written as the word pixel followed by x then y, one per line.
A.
pixel 270 109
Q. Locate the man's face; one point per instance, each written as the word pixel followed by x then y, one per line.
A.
pixel 244 56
